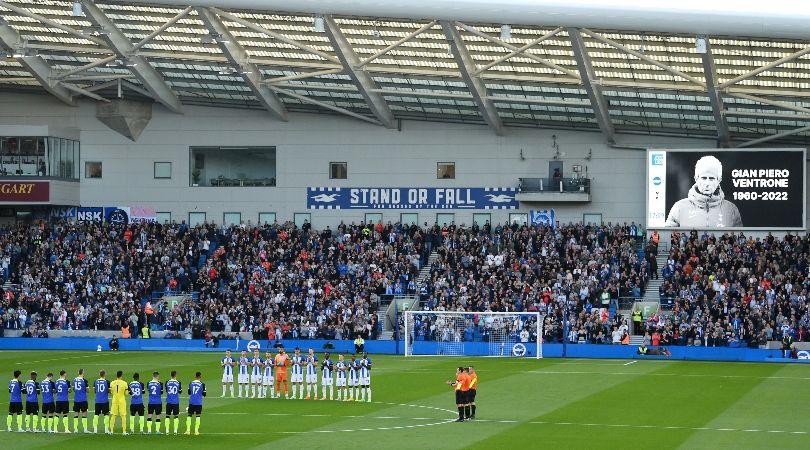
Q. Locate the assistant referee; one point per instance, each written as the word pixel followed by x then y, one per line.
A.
pixel 472 391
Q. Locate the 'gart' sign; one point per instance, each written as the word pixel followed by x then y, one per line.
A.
pixel 25 191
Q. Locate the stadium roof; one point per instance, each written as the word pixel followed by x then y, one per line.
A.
pixel 742 91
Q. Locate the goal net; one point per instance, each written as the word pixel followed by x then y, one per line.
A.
pixel 473 333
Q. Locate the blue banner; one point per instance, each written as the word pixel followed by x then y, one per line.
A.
pixel 109 214
pixel 545 217
pixel 411 198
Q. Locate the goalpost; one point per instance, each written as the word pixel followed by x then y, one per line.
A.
pixel 454 333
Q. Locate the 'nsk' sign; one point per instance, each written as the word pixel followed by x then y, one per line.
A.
pixel 411 198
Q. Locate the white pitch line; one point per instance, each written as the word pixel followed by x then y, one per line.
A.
pixel 631 362
pixel 668 427
pixel 679 375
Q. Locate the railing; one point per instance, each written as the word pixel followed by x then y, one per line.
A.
pixel 556 184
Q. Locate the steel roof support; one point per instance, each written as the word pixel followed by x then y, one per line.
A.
pixel 35 65
pixel 139 66
pixel 598 101
pixel 715 97
pixel 365 84
pixel 237 56
pixel 467 66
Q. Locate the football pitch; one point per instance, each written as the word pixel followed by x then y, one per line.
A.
pixel 522 403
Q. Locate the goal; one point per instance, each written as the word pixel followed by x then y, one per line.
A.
pixel 473 333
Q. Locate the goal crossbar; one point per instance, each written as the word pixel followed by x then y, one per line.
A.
pixel 457 333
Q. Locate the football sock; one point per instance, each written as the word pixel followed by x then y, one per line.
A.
pixel 84 423
pixel 124 424
pixel 149 425
pixel 36 421
pixel 27 422
pixel 19 421
pixel 224 389
pixel 473 409
pixel 142 422
pixel 132 422
pixel 197 424
pixel 461 412
pixel 369 393
pixel 176 423
pixel 106 422
pixel 188 424
pixel 66 422
pixel 167 422
pixel 95 424
pixel 8 421
pixel 231 386
pixel 467 411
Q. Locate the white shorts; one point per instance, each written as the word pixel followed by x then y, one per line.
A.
pixel 243 378
pixel 267 381
pixel 312 378
pixel 227 378
pixel 326 381
pixel 341 381
pixel 354 382
pixel 365 381
pixel 297 378
pixel 255 379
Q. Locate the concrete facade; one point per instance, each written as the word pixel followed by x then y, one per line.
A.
pixel 376 157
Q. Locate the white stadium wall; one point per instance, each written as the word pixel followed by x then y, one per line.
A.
pixel 376 157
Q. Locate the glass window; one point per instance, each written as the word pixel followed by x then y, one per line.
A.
pixel 163 217
pixel 518 218
pixel 338 170
pixel 592 219
pixel 409 218
pixel 232 218
pixel 373 218
pixel 163 169
pixel 481 219
pixel 232 166
pixel 300 218
pixel 92 169
pixel 267 218
pixel 445 218
pixel 446 170
pixel 196 218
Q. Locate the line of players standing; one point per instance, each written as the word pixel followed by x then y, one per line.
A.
pixel 55 402
pixel 257 375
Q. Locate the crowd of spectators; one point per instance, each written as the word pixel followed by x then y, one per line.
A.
pixel 733 290
pixel 275 281
pixel 281 281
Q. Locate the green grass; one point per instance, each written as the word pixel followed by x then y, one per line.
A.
pixel 522 403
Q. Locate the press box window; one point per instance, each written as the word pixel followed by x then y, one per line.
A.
pixel 446 170
pixel 338 170
pixel 92 169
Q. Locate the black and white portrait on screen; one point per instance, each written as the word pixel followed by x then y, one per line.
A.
pixel 705 205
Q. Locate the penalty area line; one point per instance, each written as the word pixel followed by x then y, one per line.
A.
pixel 665 427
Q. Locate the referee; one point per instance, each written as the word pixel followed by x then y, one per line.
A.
pixel 461 386
pixel 472 391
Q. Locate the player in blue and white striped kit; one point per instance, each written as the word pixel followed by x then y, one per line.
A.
pixel 267 376
pixel 340 378
pixel 256 366
pixel 312 375
pixel 196 392
pixel 326 376
pixel 244 374
pixel 365 377
pixel 354 380
pixel 297 378
pixel 227 364
pixel 15 407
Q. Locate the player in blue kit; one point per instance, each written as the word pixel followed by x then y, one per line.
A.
pixel 15 407
pixel 365 377
pixel 80 402
pixel 227 364
pixel 326 376
pixel 47 388
pixel 101 389
pixel 32 403
pixel 136 402
pixel 196 392
pixel 62 406
pixel 155 406
pixel 173 389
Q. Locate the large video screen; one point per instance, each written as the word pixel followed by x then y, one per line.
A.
pixel 726 189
